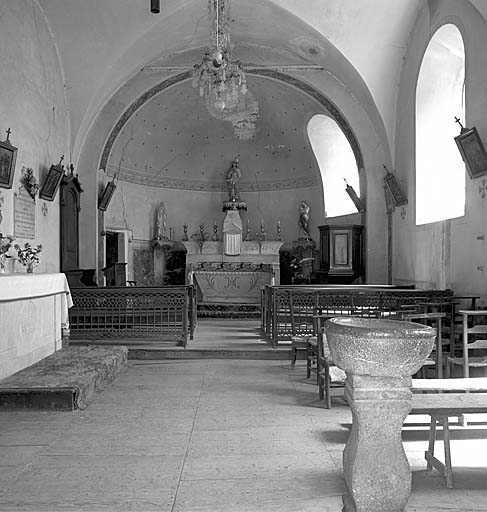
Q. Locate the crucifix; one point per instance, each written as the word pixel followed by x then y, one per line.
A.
pixel 457 120
pixel 8 135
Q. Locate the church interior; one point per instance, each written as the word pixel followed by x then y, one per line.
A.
pixel 238 238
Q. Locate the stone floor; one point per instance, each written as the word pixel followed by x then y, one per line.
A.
pixel 209 435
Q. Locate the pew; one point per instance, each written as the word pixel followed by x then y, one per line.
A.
pixel 440 406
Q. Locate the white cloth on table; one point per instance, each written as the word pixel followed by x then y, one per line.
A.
pixel 25 286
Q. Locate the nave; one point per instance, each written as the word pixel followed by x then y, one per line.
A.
pixel 207 435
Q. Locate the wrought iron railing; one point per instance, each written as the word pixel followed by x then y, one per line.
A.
pixel 144 314
pixel 288 310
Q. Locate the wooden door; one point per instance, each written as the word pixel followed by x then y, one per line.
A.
pixel 69 223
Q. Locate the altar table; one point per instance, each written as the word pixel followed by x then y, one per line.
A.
pixel 33 310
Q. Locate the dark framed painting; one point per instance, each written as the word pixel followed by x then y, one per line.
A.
pixel 51 183
pixel 8 157
pixel 106 196
pixel 473 152
pixel 395 190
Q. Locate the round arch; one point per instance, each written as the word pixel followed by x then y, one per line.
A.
pixel 318 96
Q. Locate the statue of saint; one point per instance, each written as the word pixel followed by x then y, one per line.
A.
pixel 304 218
pixel 233 177
pixel 161 222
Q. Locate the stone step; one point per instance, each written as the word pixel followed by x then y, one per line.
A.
pixel 65 380
pixel 153 352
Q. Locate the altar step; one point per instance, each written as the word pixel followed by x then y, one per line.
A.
pixel 65 380
pixel 152 352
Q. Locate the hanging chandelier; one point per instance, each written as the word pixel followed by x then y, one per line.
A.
pixel 221 78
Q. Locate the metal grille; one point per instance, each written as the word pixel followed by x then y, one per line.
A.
pixel 135 313
pixel 289 310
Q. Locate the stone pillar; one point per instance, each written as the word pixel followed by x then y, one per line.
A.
pixel 379 357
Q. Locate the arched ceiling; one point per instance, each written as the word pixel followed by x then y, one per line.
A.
pixel 103 43
pixel 173 142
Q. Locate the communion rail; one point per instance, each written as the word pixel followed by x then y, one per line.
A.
pixel 287 311
pixel 134 314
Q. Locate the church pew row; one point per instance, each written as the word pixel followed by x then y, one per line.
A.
pixel 288 311
pixel 165 313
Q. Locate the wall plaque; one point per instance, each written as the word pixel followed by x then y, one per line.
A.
pixel 24 215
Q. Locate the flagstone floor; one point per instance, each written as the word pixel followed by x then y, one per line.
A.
pixel 214 436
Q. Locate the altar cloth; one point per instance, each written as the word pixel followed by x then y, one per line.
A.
pixel 30 286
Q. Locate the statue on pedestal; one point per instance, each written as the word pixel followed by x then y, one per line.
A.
pixel 304 218
pixel 161 240
pixel 233 177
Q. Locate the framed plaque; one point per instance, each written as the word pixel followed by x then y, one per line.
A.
pixel 8 157
pixel 472 151
pixel 106 196
pixel 51 183
pixel 24 215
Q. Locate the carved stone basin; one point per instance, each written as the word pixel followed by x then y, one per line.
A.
pixel 379 357
pixel 377 347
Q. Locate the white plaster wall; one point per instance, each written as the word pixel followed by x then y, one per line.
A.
pixel 32 105
pixel 450 253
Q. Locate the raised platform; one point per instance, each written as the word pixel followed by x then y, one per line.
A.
pixel 65 380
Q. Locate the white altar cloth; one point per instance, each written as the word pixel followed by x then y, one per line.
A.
pixel 29 286
pixel 33 309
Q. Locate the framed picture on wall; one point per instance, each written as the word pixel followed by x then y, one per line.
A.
pixel 397 194
pixel 106 196
pixel 51 183
pixel 472 151
pixel 8 157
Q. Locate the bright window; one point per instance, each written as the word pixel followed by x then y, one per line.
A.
pixel 336 162
pixel 440 171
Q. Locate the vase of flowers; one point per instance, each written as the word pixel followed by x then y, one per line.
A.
pixel 28 256
pixel 5 245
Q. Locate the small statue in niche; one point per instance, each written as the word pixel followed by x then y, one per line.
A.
pixel 304 218
pixel 161 222
pixel 233 177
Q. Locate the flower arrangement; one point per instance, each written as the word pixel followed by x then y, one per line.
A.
pixel 295 266
pixel 29 181
pixel 28 255
pixel 200 237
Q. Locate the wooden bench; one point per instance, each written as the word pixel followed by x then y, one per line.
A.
pixel 440 406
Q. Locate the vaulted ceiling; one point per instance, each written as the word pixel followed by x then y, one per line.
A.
pixel 104 43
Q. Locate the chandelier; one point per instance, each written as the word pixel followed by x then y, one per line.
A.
pixel 221 78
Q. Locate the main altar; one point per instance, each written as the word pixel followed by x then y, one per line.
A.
pixel 236 279
pixel 233 271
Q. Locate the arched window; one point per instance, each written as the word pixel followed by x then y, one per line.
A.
pixel 440 171
pixel 336 162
